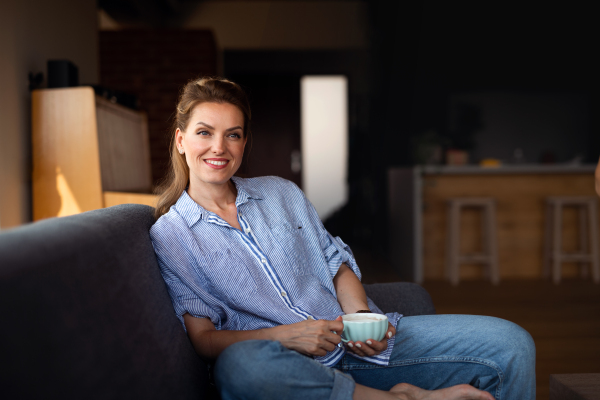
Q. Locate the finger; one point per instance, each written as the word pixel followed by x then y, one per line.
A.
pixel 328 346
pixel 318 352
pixel 378 346
pixel 321 347
pixel 358 353
pixel 335 325
pixel 332 337
pixel 353 347
pixel 365 349
pixel 391 331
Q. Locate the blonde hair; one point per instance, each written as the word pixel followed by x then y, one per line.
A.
pixel 207 89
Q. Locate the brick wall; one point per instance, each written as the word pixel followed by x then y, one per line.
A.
pixel 153 65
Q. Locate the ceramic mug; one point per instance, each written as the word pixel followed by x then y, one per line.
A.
pixel 362 326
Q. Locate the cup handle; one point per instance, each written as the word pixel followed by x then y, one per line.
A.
pixel 342 337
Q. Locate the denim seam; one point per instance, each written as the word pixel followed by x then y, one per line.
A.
pixel 343 386
pixel 348 366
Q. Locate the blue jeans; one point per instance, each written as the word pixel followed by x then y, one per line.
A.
pixel 431 352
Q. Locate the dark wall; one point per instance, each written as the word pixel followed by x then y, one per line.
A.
pixel 483 48
pixel 272 79
pixel 426 53
pixel 275 101
pixel 153 64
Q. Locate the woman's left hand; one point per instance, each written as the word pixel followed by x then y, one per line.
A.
pixel 371 347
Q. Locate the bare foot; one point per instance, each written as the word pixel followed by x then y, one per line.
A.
pixel 404 391
pixel 459 392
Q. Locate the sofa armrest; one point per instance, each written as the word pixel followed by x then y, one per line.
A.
pixel 86 312
pixel 403 297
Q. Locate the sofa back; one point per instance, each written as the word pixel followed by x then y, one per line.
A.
pixel 85 312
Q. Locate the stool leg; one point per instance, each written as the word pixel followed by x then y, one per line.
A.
pixel 557 243
pixel 485 242
pixel 549 226
pixel 449 243
pixel 454 233
pixel 492 246
pixel 593 213
pixel 583 237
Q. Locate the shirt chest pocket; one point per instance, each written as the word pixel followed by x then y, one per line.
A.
pixel 294 244
pixel 228 278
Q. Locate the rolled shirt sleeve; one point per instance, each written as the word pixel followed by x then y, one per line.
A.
pixel 185 301
pixel 334 249
pixel 337 252
pixel 186 295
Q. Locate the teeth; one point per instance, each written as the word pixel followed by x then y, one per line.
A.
pixel 216 162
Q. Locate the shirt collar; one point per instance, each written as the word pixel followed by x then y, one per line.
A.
pixel 191 211
pixel 245 191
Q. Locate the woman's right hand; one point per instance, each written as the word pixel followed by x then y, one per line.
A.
pixel 310 337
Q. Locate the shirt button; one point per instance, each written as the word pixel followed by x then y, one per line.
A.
pixel 263 260
pixel 283 294
pixel 247 230
pixel 310 317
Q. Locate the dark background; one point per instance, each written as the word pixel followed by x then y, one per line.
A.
pixel 420 55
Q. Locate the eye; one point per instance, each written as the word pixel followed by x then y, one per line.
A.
pixel 203 133
pixel 235 136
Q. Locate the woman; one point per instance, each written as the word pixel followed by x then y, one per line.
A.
pixel 260 285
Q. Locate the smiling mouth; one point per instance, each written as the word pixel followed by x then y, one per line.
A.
pixel 216 163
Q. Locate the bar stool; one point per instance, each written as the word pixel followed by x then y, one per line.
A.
pixel 588 236
pixel 489 255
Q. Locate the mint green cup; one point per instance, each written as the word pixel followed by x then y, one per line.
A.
pixel 362 326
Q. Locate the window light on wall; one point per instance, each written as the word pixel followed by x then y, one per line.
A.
pixel 324 133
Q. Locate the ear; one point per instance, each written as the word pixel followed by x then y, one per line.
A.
pixel 179 138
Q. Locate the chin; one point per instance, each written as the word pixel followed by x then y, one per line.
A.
pixel 216 180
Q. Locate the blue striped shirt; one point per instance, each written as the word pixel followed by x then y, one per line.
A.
pixel 277 270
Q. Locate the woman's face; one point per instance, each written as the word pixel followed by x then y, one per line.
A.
pixel 213 143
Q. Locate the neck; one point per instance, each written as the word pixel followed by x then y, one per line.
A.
pixel 213 197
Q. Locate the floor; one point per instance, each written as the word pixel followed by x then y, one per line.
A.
pixel 564 319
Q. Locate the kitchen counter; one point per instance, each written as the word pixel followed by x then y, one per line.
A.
pixel 507 169
pixel 417 207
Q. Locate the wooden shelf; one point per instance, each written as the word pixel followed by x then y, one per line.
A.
pixel 88 153
pixel 114 198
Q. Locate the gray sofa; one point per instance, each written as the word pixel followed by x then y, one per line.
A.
pixel 85 313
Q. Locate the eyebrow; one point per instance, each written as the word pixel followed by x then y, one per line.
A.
pixel 226 130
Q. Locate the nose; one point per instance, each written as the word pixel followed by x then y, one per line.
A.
pixel 218 146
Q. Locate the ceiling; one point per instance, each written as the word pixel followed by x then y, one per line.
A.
pixel 144 12
pixel 157 13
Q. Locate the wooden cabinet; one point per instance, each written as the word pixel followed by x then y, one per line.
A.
pixel 88 153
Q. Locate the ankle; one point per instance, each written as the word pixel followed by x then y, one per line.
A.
pixel 366 393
